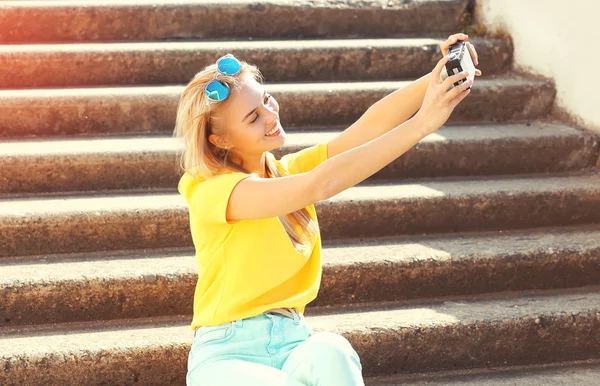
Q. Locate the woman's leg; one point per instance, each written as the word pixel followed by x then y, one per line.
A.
pixel 326 358
pixel 238 352
pixel 229 372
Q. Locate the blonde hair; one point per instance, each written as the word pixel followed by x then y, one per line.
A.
pixel 194 123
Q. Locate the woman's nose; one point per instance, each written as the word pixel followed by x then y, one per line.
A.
pixel 270 123
pixel 271 116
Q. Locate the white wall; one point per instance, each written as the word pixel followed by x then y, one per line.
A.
pixel 558 39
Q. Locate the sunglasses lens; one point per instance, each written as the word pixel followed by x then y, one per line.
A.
pixel 229 66
pixel 217 91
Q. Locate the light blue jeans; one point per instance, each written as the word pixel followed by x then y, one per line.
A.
pixel 271 349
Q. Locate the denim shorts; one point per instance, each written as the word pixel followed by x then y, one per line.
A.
pixel 271 349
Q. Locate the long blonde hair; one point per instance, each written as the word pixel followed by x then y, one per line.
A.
pixel 195 121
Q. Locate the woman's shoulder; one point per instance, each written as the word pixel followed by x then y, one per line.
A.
pixel 191 181
pixel 198 177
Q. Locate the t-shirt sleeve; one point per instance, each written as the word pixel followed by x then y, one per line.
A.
pixel 306 159
pixel 209 199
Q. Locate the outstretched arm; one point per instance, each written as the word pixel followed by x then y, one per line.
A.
pixel 390 111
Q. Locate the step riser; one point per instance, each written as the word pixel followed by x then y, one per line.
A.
pixel 165 294
pixel 160 169
pixel 153 366
pixel 164 64
pixel 98 300
pixel 74 233
pixel 574 373
pixel 457 214
pixel 389 281
pixel 396 350
pixel 196 20
pixel 489 158
pixel 153 109
pixel 119 229
pixel 480 344
pixel 90 173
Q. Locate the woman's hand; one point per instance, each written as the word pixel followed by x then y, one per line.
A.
pixel 453 39
pixel 440 100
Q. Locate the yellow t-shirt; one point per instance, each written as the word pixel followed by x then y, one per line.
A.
pixel 246 267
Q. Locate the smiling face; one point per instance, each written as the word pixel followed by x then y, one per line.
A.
pixel 245 122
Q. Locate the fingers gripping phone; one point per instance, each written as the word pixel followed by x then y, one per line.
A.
pixel 460 60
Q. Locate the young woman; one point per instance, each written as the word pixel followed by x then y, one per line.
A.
pixel 254 225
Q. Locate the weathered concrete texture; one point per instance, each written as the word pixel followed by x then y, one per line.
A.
pixel 63 65
pixel 71 225
pixel 114 222
pixel 152 162
pixel 89 164
pixel 503 99
pixel 151 352
pixel 428 337
pixel 459 334
pixel 458 206
pixel 87 111
pixel 583 373
pixel 80 20
pixel 48 112
pixel 423 267
pixel 496 150
pixel 97 287
pixel 105 286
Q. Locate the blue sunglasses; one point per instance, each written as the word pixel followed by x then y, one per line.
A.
pixel 217 91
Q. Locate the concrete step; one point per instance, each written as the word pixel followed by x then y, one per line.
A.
pixel 65 65
pixel 88 164
pixel 432 336
pixel 135 20
pixel 72 224
pixel 583 373
pixel 136 284
pixel 48 112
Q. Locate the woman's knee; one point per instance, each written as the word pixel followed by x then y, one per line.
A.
pixel 329 346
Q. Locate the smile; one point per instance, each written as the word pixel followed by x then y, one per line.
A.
pixel 274 131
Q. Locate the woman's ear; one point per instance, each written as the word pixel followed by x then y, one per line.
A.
pixel 218 141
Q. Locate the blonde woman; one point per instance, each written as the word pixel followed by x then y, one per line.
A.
pixel 254 225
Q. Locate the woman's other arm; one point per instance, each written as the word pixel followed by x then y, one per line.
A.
pixel 255 198
pixel 392 110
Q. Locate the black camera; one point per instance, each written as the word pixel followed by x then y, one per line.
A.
pixel 460 60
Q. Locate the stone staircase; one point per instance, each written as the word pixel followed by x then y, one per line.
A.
pixel 475 258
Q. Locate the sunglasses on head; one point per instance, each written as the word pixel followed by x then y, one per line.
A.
pixel 217 91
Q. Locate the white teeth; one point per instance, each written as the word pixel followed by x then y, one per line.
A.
pixel 272 131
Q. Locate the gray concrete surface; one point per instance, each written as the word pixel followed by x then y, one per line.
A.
pixel 110 221
pixel 447 335
pixel 129 110
pixel 130 284
pixel 84 20
pixel 150 162
pixel 64 65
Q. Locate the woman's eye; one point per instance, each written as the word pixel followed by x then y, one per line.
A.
pixel 266 99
